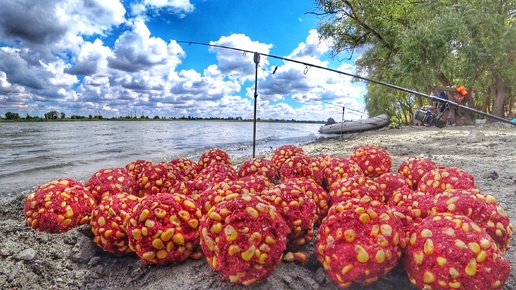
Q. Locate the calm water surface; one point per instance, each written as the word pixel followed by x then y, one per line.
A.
pixel 36 153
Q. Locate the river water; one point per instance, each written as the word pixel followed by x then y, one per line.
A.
pixel 34 153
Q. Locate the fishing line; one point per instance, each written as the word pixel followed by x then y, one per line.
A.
pixel 307 65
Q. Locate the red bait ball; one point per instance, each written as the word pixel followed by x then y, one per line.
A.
pixel 111 181
pixel 259 166
pixel 339 168
pixel 217 193
pixel 414 168
pixel 373 160
pixel 448 251
pixel 355 187
pixel 297 209
pixel 359 241
pixel 254 184
pixel 390 182
pixel 317 166
pixel 212 156
pixel 135 167
pixel 481 209
pixel 163 228
pixel 282 153
pixel 59 206
pixel 440 179
pixel 157 178
pixel 243 239
pixel 186 167
pixel 189 188
pixel 418 202
pixel 315 191
pixel 107 223
pixel 215 173
pixel 296 166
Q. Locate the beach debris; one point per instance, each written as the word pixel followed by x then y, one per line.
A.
pixel 448 251
pixel 59 206
pixel 359 241
pixel 373 160
pixel 14 271
pixel 283 153
pixel 243 239
pixel 107 223
pixel 299 211
pixel 163 228
pixel 481 209
pixel 413 168
pixel 27 254
pixel 111 181
pixel 442 178
pixel 475 137
pixel 259 166
pixel 214 155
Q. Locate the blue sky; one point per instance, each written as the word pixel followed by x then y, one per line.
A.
pixel 82 57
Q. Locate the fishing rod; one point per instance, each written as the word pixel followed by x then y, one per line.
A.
pixel 308 65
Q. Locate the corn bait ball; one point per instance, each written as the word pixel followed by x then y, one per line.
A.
pixel 243 238
pixel 414 168
pixel 440 179
pixel 254 184
pixel 359 241
pixel 107 223
pixel 186 167
pixel 419 203
pixel 355 187
pixel 317 166
pixel 481 209
pixel 338 168
pixel 59 206
pixel 283 153
pixel 215 173
pixel 189 188
pixel 296 166
pixel 315 191
pixel 111 181
pixel 135 167
pixel 157 178
pixel 390 182
pixel 212 156
pixel 297 209
pixel 163 228
pixel 259 166
pixel 373 160
pixel 447 251
pixel 217 193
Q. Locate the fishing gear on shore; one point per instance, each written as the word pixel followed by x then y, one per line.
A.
pixel 451 104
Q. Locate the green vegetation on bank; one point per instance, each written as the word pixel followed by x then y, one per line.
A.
pixel 54 116
pixel 427 46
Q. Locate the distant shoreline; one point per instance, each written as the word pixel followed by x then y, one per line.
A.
pixel 157 120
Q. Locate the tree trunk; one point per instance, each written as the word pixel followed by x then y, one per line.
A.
pixel 499 97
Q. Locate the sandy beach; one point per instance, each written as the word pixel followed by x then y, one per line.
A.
pixel 37 260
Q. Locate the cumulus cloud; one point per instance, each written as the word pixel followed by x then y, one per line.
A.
pixel 136 50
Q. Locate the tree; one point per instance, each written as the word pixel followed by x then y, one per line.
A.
pixel 12 116
pixel 422 45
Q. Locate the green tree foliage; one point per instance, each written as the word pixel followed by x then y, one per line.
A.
pixel 12 116
pixel 425 45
